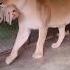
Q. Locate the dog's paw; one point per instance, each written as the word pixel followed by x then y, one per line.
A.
pixel 37 55
pixel 55 45
pixel 10 59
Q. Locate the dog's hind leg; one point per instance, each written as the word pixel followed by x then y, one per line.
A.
pixel 60 38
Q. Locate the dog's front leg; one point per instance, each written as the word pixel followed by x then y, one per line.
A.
pixel 22 36
pixel 60 38
pixel 40 43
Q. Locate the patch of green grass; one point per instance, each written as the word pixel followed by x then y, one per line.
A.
pixel 6 30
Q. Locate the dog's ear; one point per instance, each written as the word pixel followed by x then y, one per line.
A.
pixel 1 14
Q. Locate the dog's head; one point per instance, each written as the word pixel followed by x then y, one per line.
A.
pixel 11 13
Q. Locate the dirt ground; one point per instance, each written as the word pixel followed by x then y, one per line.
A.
pixel 53 59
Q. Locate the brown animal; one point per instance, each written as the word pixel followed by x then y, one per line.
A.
pixel 39 14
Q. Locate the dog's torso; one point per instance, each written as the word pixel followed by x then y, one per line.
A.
pixel 58 12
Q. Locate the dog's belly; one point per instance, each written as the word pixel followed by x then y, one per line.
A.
pixel 33 23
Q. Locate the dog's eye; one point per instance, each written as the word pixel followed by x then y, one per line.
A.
pixel 14 10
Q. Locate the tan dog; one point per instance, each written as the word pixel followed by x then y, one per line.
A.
pixel 39 14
